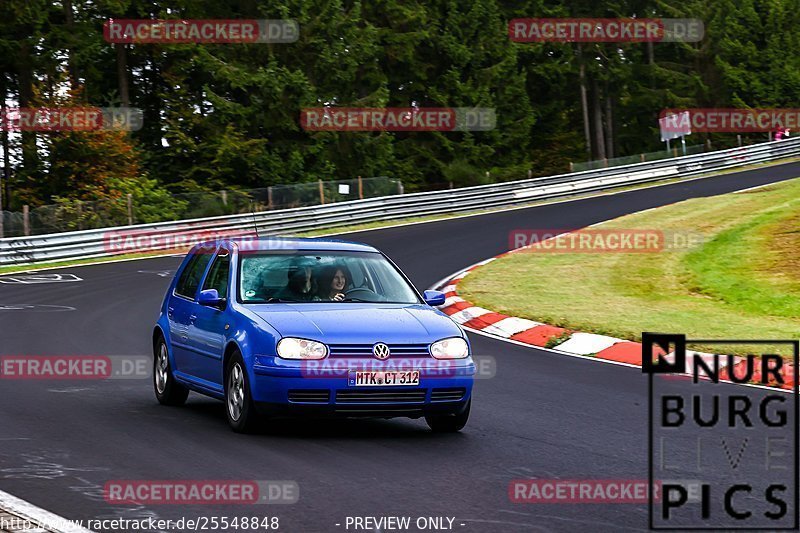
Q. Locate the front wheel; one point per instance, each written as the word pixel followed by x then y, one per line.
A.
pixel 449 423
pixel 239 407
pixel 168 391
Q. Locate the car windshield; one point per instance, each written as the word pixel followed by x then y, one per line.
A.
pixel 321 277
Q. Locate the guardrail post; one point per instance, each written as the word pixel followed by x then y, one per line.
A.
pixel 641 156
pixel 571 166
pixel 79 212
pixel 130 209
pixel 739 138
pixel 269 197
pixel 400 189
pixel 605 162
pixel 26 220
pixel 321 193
pixel 360 189
pixel 675 151
pixel 530 173
pixel 224 195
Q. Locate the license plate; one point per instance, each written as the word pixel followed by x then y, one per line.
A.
pixel 383 378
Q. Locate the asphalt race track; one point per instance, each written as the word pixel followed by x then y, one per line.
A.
pixel 543 415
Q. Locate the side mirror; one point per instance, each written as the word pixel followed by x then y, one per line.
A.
pixel 210 298
pixel 433 298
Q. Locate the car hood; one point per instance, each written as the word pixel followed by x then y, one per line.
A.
pixel 354 323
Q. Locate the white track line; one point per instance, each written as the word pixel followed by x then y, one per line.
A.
pixel 46 519
pixel 754 188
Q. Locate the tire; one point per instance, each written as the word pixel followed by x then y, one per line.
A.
pixel 168 391
pixel 239 408
pixel 449 423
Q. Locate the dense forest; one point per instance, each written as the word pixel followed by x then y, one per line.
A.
pixel 222 116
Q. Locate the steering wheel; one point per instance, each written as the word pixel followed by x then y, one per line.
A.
pixel 362 293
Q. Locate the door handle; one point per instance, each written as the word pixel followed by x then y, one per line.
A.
pixel 192 318
pixel 170 311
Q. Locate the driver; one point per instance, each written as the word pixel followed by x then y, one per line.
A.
pixel 333 280
pixel 300 285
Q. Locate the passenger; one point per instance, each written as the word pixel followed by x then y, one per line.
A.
pixel 300 286
pixel 333 281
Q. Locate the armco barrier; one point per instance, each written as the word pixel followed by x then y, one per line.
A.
pixel 94 243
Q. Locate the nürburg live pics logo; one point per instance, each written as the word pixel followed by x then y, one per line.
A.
pixel 724 455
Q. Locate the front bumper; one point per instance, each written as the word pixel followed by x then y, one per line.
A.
pixel 290 388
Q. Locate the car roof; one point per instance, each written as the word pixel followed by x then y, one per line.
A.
pixel 294 244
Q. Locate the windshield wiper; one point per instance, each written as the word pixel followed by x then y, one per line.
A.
pixel 280 301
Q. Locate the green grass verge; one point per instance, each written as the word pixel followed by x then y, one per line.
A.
pixel 741 282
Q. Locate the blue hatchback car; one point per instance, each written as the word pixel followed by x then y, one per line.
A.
pixel 309 326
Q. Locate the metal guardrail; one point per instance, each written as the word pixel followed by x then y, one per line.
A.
pixel 165 235
pixel 77 215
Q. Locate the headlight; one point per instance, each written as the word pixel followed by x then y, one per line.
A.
pixel 291 348
pixel 452 348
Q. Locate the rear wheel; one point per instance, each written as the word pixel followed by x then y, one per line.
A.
pixel 168 391
pixel 449 423
pixel 239 407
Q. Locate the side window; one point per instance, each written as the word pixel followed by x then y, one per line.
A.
pixel 218 275
pixel 192 274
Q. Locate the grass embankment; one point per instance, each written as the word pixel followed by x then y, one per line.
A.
pixel 741 282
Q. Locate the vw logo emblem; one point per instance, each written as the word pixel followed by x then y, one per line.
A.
pixel 380 351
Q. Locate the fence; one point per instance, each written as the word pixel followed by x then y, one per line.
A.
pixel 164 235
pixel 72 215
pixel 675 151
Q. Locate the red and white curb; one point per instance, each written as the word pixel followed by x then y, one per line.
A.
pixel 574 343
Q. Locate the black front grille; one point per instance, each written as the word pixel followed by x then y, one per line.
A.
pixel 448 395
pixel 365 350
pixel 381 396
pixel 370 411
pixel 309 396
